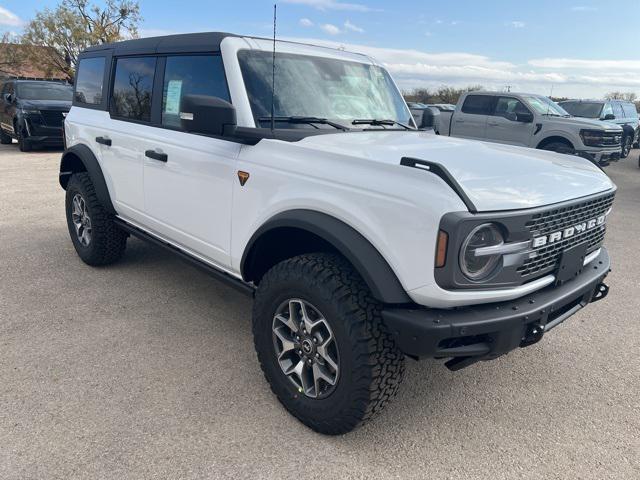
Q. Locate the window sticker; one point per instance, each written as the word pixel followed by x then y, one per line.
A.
pixel 174 91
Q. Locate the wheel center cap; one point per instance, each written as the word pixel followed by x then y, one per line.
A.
pixel 307 346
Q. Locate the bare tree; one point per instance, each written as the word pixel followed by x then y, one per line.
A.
pixel 10 58
pixel 628 96
pixel 75 25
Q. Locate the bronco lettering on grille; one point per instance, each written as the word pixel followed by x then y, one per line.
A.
pixel 569 232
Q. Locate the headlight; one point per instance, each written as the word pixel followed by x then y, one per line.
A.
pixel 475 263
pixel 592 138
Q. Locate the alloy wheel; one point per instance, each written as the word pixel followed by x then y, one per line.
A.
pixel 81 219
pixel 305 348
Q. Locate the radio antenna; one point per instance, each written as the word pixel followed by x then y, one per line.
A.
pixel 273 71
pixel 550 100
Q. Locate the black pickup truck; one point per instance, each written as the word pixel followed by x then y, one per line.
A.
pixel 33 112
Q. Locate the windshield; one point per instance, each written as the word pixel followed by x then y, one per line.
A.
pixel 44 91
pixel 583 109
pixel 308 86
pixel 545 106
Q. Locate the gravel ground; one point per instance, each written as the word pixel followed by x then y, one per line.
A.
pixel 146 369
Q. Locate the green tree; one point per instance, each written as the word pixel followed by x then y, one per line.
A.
pixel 75 25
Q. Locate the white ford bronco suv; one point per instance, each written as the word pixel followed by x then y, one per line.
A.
pixel 362 239
pixel 534 121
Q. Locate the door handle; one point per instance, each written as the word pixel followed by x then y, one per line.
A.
pixel 161 157
pixel 459 121
pixel 493 124
pixel 104 141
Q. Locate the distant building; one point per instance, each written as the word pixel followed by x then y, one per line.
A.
pixel 16 63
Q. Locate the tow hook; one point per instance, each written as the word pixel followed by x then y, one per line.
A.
pixel 534 334
pixel 601 291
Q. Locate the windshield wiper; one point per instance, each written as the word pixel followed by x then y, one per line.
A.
pixel 309 120
pixel 380 123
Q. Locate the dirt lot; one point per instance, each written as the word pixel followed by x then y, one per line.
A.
pixel 146 370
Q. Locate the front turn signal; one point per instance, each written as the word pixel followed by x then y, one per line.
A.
pixel 441 249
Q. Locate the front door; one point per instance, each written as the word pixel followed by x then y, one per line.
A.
pixel 504 126
pixel 188 178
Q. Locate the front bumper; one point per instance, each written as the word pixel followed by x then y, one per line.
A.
pixel 484 332
pixel 597 156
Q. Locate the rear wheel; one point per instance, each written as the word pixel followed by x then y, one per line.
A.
pixel 5 138
pixel 322 344
pixel 95 236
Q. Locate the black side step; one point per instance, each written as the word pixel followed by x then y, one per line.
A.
pixel 230 280
pixel 444 174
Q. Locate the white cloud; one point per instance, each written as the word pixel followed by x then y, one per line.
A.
pixel 583 8
pixel 517 24
pixel 9 18
pixel 354 28
pixel 305 22
pixel 330 29
pixel 332 5
pixel 568 77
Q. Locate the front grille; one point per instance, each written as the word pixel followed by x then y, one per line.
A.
pixel 547 257
pixel 52 118
pixel 611 139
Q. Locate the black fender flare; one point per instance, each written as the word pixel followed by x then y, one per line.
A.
pixel 69 164
pixel 628 131
pixel 364 257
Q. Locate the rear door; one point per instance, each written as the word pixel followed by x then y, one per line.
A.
pixel 7 109
pixel 503 125
pixel 471 120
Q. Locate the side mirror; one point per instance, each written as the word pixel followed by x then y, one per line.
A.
pixel 511 116
pixel 609 116
pixel 524 117
pixel 207 115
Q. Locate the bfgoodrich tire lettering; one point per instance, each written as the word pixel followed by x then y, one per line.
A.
pixel 107 242
pixel 371 367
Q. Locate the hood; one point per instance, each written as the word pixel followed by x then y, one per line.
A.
pixel 494 176
pixel 63 105
pixel 581 122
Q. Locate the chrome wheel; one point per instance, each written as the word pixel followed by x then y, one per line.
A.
pixel 305 347
pixel 81 220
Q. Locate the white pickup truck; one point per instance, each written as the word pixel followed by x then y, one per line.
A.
pixel 533 121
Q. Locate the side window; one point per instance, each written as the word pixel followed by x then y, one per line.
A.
pixel 617 111
pixel 191 75
pixel 478 104
pixel 506 105
pixel 607 110
pixel 88 88
pixel 132 88
pixel 629 110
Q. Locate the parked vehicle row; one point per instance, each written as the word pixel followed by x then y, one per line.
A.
pixel 32 112
pixel 620 112
pixel 361 238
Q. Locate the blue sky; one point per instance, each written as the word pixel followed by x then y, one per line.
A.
pixel 576 47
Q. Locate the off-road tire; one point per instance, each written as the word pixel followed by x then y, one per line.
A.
pixel 23 144
pixel 559 147
pixel 108 242
pixel 5 138
pixel 371 366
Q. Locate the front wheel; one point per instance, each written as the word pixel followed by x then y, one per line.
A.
pixel 322 344
pixel 5 138
pixel 23 143
pixel 626 147
pixel 559 147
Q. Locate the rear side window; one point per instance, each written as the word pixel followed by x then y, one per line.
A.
pixel 89 81
pixel 191 75
pixel 629 110
pixel 478 104
pixel 132 88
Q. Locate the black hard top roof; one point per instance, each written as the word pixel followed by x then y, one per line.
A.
pixel 188 42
